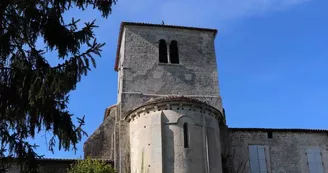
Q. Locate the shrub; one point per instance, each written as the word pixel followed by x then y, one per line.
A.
pixel 91 166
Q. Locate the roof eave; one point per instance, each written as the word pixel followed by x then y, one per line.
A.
pixel 279 129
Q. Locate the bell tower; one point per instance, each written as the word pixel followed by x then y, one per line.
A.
pixel 153 61
pixel 159 60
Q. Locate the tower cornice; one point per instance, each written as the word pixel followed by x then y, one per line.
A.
pixel 176 103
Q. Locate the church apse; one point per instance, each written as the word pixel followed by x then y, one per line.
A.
pixel 175 135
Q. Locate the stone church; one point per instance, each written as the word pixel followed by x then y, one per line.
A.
pixel 169 116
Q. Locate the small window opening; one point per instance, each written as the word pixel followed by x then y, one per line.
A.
pixel 185 135
pixel 162 51
pixel 270 135
pixel 174 52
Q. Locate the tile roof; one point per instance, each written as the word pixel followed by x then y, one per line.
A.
pixel 280 130
pixel 170 99
pixel 63 160
pixel 151 25
pixel 174 98
pixel 107 111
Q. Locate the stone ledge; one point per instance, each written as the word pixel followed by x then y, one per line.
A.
pixel 174 105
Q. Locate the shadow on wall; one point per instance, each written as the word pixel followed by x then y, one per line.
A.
pixel 230 161
pixel 177 139
pixel 181 77
pixel 168 144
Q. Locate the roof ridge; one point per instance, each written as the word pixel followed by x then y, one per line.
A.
pixel 165 25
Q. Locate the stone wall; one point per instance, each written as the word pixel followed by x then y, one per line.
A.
pixel 100 144
pixel 50 165
pixel 286 151
pixel 47 166
pixel 143 77
pixel 157 138
pixel 146 144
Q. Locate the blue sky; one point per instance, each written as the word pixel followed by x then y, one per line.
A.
pixel 271 54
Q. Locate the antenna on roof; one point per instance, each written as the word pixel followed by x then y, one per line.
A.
pixel 163 22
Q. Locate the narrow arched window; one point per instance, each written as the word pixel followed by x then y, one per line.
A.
pixel 162 51
pixel 185 135
pixel 174 52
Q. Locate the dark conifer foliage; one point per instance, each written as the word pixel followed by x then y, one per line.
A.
pixel 33 94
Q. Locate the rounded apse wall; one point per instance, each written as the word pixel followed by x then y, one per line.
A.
pixel 175 137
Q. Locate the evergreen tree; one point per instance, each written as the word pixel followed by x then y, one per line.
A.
pixel 34 94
